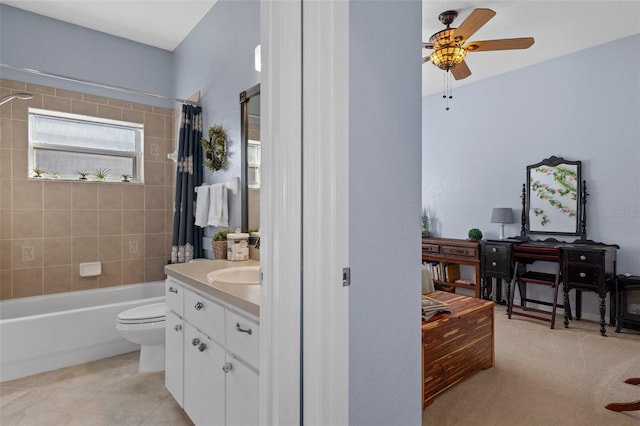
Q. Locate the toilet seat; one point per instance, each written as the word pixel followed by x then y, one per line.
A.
pixel 143 314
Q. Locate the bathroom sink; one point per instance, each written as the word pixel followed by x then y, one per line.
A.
pixel 236 275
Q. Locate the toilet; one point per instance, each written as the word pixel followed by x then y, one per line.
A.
pixel 144 326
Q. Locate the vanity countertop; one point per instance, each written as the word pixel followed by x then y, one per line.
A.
pixel 245 297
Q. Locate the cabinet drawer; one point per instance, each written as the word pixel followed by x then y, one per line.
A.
pixel 583 274
pixel 206 315
pixel 174 296
pixel 243 338
pixel 496 265
pixel 430 248
pixel 585 256
pixel 459 251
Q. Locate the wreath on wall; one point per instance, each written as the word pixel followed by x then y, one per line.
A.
pixel 215 149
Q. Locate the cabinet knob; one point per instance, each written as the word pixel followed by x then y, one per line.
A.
pixel 202 347
pixel 173 290
pixel 199 306
pixel 583 257
pixel 177 327
pixel 195 342
pixel 495 249
pixel 242 330
pixel 226 367
pixel 582 275
pixel 494 264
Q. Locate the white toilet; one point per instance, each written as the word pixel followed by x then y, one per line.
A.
pixel 144 325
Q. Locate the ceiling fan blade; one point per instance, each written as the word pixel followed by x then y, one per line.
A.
pixel 502 44
pixel 461 71
pixel 427 45
pixel 474 22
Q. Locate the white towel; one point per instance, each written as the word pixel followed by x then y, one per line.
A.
pixel 218 209
pixel 202 205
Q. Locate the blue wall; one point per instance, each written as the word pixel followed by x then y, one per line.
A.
pixel 33 41
pixel 579 107
pixel 384 212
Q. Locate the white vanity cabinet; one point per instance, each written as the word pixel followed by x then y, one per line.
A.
pixel 211 357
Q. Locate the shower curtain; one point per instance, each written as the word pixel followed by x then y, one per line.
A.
pixel 187 238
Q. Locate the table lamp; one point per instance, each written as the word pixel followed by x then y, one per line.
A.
pixel 502 216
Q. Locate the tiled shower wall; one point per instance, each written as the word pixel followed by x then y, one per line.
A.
pixel 49 227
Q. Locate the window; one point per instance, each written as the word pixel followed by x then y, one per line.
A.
pixel 253 164
pixel 62 145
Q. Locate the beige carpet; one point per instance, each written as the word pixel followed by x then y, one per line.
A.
pixel 546 377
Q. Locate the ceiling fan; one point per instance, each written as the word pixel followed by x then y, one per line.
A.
pixel 450 46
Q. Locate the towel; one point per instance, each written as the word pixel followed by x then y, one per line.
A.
pixel 218 208
pixel 202 205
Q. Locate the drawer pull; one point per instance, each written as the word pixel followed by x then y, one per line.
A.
pixel 177 327
pixel 173 290
pixel 494 264
pixel 242 330
pixel 226 367
pixel 202 347
pixel 583 257
pixel 495 249
pixel 582 275
pixel 195 342
pixel 199 306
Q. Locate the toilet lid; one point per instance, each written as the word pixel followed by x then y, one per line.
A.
pixel 155 311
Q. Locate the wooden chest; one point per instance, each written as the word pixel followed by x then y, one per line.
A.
pixel 456 345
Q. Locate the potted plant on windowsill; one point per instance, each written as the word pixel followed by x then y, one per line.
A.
pixel 219 243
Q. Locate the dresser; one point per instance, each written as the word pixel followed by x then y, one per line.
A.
pixel 496 262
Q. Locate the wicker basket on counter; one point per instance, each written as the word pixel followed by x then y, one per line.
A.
pixel 219 249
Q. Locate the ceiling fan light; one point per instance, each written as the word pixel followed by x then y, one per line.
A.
pixel 444 38
pixel 448 57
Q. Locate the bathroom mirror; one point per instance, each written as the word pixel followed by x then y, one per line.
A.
pixel 251 154
pixel 554 197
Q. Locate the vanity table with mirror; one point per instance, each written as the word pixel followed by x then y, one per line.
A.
pixel 554 203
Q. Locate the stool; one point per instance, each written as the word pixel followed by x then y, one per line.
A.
pixel 628 312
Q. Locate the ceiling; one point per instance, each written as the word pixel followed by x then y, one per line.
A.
pixel 559 27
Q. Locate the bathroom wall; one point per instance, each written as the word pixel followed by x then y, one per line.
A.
pixel 48 227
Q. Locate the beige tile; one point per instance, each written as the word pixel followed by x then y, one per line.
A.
pixel 170 174
pixel 133 246
pixel 27 223
pixel 57 223
pixel 84 195
pixel 111 112
pixel 133 197
pixel 84 249
pixel 154 221
pixel 5 286
pixel 154 268
pixel 6 254
pixel 133 116
pixel 169 193
pixel 82 283
pixel 133 271
pixel 27 195
pixel 119 103
pixel 154 125
pixel 154 197
pixel 110 248
pixel 163 111
pixel 155 149
pixel 155 245
pixel 141 107
pixel 84 108
pixel 27 253
pixel 5 110
pixel 6 224
pixel 84 222
pixel 109 222
pixel 19 165
pixel 19 110
pixel 133 222
pixel 55 103
pixel 95 99
pixel 36 88
pixel 5 164
pixel 5 133
pixel 168 414
pixel 57 251
pixel 57 195
pixel 18 86
pixel 68 94
pixel 154 173
pixel 168 217
pixel 5 194
pixel 27 282
pixel 111 274
pixel 57 279
pixel 19 134
pixel 110 196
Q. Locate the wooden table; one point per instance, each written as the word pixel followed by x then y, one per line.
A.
pixel 456 345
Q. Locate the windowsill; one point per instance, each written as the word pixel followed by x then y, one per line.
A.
pixel 63 179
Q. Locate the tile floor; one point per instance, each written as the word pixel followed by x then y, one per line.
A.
pixel 109 392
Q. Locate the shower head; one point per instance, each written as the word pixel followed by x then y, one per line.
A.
pixel 19 95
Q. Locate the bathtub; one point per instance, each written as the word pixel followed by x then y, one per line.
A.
pixel 43 333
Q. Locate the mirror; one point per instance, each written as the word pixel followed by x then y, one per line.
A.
pixel 251 154
pixel 554 197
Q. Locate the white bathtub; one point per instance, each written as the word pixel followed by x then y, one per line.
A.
pixel 44 333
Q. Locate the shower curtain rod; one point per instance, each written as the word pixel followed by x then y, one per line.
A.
pixel 97 84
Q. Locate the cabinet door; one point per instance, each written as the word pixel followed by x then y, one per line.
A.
pixel 203 378
pixel 242 394
pixel 174 355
